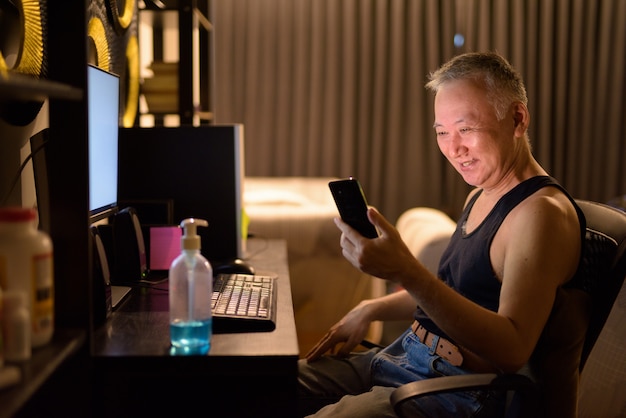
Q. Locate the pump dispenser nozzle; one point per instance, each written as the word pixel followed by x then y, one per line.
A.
pixel 190 239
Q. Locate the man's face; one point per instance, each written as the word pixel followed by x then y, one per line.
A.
pixel 478 146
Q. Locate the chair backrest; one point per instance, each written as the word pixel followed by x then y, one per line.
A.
pixel 611 223
pixel 580 312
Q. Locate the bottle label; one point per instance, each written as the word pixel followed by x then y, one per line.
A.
pixel 42 295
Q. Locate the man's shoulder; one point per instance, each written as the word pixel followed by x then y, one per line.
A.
pixel 546 205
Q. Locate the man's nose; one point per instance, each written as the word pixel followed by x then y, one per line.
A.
pixel 457 147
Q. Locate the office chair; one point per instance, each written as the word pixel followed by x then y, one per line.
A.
pixel 548 386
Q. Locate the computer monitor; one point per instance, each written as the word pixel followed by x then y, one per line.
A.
pixel 103 114
pixel 199 169
pixel 103 92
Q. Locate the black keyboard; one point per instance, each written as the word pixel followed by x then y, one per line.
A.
pixel 244 303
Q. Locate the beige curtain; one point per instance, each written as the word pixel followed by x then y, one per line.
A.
pixel 335 88
pixel 572 56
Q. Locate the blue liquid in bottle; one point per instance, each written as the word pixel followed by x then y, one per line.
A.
pixel 191 337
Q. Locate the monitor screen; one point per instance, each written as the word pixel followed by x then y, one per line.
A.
pixel 103 110
pixel 199 169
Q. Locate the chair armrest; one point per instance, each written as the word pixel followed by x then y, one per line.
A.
pixel 369 344
pixel 447 384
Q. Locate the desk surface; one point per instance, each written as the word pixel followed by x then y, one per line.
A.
pixel 140 327
pixel 131 354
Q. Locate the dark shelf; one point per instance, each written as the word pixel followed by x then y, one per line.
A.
pixel 160 5
pixel 188 10
pixel 35 372
pixel 64 86
pixel 19 87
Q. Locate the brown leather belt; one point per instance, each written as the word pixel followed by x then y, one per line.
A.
pixel 455 355
pixel 444 347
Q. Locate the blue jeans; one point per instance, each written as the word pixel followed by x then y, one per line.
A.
pixel 368 379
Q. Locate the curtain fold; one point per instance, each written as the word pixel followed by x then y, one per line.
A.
pixel 336 88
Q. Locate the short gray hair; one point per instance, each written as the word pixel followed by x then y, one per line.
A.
pixel 502 82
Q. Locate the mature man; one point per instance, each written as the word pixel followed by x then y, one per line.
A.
pixel 517 240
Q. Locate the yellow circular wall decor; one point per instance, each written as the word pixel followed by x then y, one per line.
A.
pixel 29 55
pixel 132 91
pixel 121 21
pixel 96 32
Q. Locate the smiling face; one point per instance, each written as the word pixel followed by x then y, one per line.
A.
pixel 480 147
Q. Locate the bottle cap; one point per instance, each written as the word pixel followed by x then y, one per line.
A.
pixel 190 239
pixel 17 214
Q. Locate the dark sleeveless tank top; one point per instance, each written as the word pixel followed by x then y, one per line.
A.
pixel 466 265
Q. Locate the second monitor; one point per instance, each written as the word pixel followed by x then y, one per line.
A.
pixel 200 170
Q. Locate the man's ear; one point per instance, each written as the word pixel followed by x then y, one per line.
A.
pixel 521 117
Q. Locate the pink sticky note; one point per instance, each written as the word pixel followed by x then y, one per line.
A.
pixel 164 246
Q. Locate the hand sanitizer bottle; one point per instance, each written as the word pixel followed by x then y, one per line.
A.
pixel 190 291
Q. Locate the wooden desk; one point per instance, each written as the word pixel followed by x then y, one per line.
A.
pixel 136 375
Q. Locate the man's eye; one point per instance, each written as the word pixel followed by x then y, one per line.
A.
pixel 440 133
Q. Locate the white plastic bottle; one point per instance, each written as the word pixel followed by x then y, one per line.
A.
pixel 26 265
pixel 16 327
pixel 190 291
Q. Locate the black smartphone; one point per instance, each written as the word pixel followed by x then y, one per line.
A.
pixel 352 205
